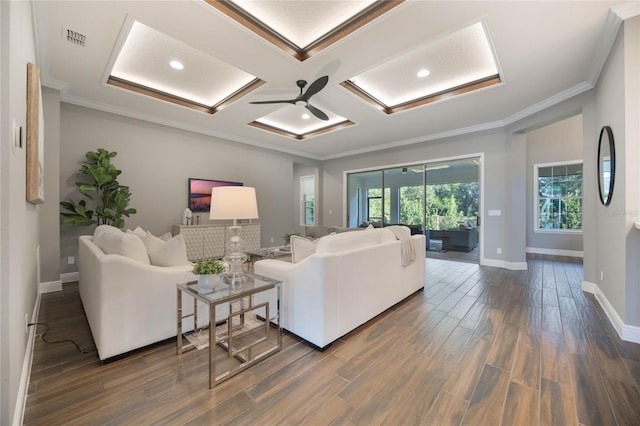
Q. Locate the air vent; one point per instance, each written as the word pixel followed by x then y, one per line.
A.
pixel 73 37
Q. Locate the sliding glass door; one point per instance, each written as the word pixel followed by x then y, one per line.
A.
pixel 439 199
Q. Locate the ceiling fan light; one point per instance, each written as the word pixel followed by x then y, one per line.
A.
pixel 422 73
pixel 306 116
pixel 176 65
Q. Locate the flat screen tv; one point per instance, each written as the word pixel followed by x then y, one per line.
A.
pixel 200 192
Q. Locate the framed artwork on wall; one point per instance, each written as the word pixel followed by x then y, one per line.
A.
pixel 35 137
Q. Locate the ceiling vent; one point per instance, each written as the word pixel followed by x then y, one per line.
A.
pixel 73 37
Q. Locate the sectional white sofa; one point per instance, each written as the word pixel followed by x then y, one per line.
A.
pixel 130 302
pixel 345 281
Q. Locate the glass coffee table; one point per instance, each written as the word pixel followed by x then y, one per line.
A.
pixel 244 342
pixel 267 253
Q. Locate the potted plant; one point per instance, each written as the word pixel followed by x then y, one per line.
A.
pixel 209 272
pixel 287 238
pixel 108 199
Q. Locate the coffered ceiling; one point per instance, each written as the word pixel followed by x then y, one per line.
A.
pixel 399 72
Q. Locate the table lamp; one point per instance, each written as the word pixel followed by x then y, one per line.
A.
pixel 234 202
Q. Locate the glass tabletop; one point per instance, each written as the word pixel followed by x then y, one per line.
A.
pixel 225 292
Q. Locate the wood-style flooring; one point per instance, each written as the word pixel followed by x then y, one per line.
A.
pixel 479 346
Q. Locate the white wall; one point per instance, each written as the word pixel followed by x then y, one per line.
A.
pixel 557 142
pixel 18 219
pixel 156 162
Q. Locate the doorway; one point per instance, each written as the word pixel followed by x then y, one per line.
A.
pixel 452 206
pixel 440 199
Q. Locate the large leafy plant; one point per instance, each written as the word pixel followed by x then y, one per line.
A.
pixel 109 201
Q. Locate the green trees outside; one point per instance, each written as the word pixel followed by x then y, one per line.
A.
pixel 447 204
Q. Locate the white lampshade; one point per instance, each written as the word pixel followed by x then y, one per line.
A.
pixel 233 202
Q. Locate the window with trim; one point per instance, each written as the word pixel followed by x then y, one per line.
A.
pixel 374 205
pixel 558 197
pixel 308 200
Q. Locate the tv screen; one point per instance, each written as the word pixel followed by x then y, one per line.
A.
pixel 200 192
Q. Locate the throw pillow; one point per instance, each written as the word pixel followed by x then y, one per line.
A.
pixel 301 248
pixel 167 253
pixel 138 231
pixel 112 240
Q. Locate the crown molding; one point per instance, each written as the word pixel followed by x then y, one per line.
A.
pixel 420 139
pixel 549 102
pixel 74 100
pixel 627 10
pixel 606 40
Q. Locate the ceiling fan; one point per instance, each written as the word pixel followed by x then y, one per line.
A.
pixel 303 98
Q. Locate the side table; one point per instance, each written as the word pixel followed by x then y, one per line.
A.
pixel 238 340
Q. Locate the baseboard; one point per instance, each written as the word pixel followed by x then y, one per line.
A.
pixel 555 252
pixel 630 333
pixel 514 266
pixel 51 286
pixel 23 389
pixel 69 277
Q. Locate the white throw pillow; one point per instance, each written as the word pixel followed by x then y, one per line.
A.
pixel 167 253
pixel 112 240
pixel 301 248
pixel 166 236
pixel 138 231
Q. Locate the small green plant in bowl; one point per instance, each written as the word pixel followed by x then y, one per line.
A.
pixel 208 272
pixel 208 267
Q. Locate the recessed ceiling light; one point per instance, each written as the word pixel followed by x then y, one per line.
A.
pixel 423 73
pixel 176 65
pixel 306 116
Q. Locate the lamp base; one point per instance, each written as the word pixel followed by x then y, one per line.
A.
pixel 235 257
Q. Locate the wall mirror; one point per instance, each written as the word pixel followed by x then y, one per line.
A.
pixel 606 165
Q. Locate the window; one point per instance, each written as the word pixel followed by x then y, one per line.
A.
pixel 374 205
pixel 308 200
pixel 558 197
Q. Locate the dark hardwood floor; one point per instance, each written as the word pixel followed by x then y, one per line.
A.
pixel 480 346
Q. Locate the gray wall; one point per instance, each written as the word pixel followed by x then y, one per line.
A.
pixel 49 212
pixel 492 143
pixel 561 141
pixel 18 219
pixel 156 162
pixel 617 241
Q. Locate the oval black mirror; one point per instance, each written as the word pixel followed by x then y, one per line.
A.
pixel 606 165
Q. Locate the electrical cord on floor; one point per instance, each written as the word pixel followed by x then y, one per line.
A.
pixel 42 337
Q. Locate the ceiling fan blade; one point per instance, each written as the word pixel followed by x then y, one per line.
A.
pixel 315 111
pixel 290 101
pixel 314 88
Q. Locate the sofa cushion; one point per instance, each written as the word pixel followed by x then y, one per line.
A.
pixel 348 241
pixel 112 240
pixel 166 253
pixel 301 248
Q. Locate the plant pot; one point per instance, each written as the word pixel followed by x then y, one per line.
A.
pixel 209 281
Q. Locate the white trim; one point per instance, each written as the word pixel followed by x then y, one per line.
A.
pixel 497 263
pixel 481 179
pixel 302 202
pixel 627 10
pixel 23 389
pixel 629 333
pixel 555 252
pixel 70 277
pixel 51 286
pixel 536 199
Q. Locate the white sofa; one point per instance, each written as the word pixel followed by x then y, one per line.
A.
pixel 130 304
pixel 349 279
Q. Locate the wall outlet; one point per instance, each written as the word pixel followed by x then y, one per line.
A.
pixel 601 275
pixel 499 250
pixel 271 239
pixel 330 211
pixel 71 260
pixel 26 323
